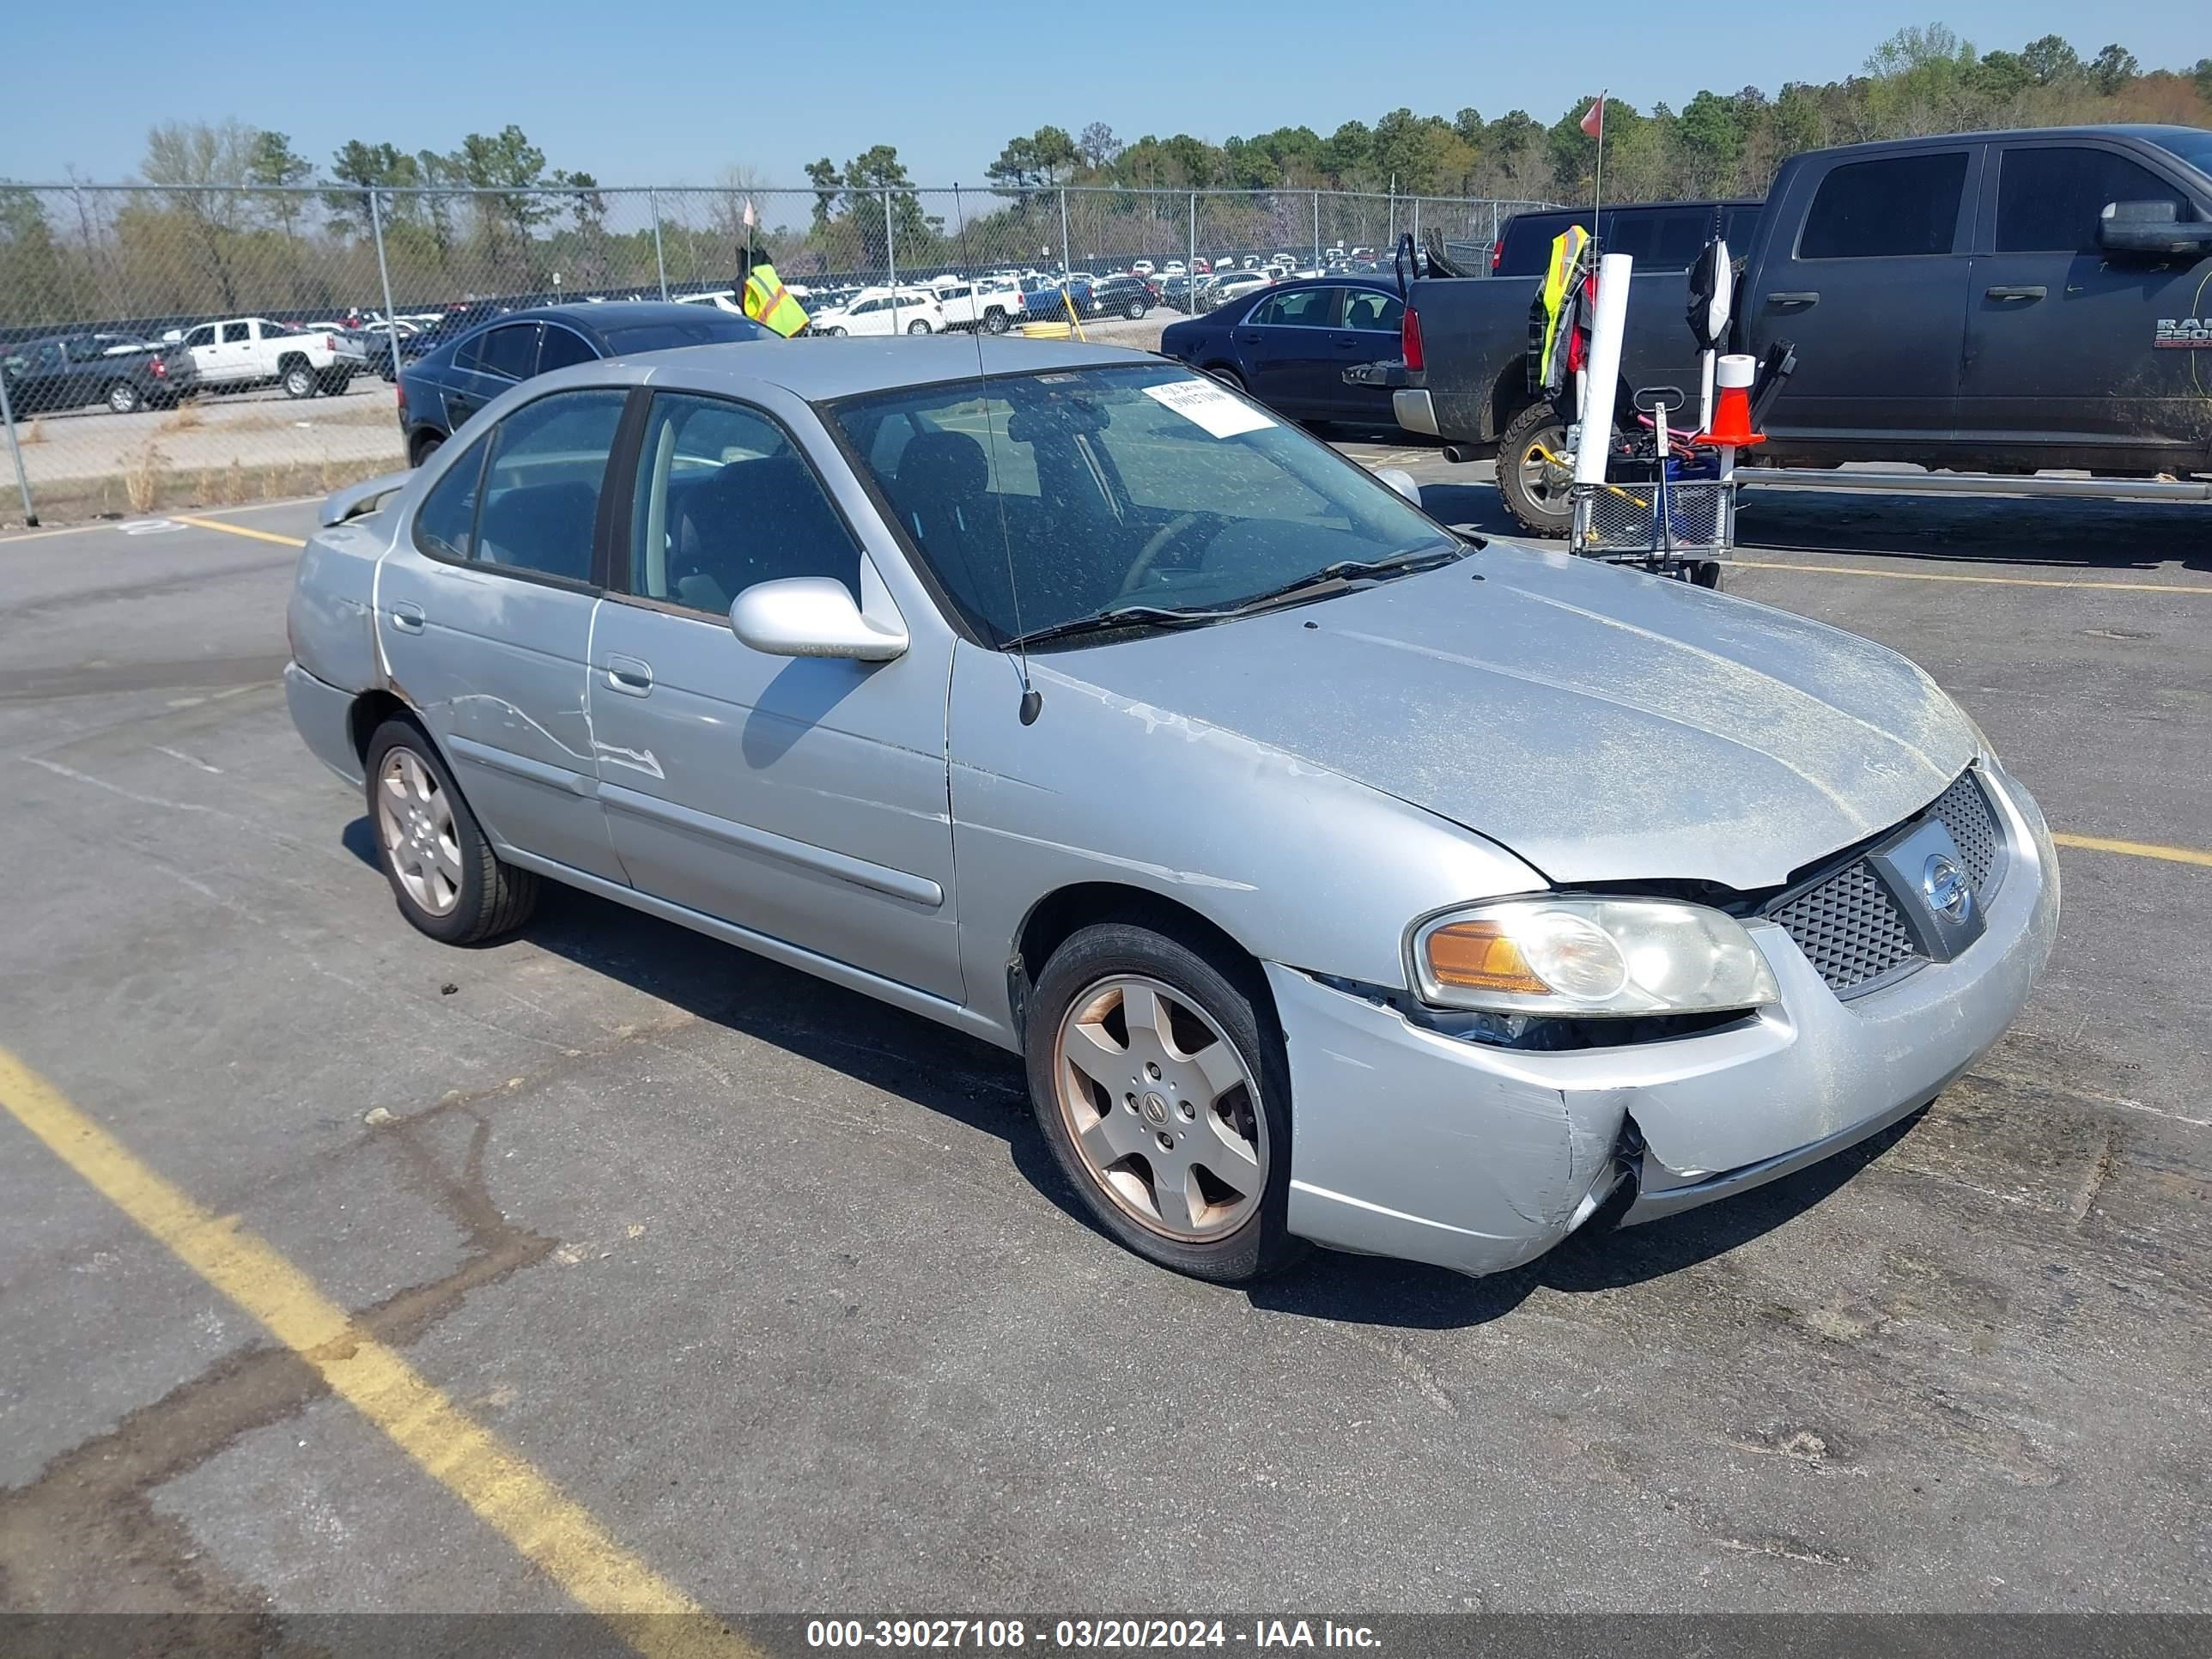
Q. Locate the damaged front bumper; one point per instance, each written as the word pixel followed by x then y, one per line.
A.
pixel 1415 1143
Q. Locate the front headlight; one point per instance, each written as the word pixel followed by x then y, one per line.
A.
pixel 1589 956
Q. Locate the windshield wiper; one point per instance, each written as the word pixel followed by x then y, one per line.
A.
pixel 1346 572
pixel 1123 616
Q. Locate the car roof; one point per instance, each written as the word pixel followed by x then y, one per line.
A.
pixel 820 370
pixel 599 314
pixel 2143 130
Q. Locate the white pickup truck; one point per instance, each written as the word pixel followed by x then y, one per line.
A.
pixel 243 351
pixel 991 304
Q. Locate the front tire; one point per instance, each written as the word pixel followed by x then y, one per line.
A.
pixel 123 398
pixel 298 380
pixel 448 881
pixel 1533 488
pixel 835 332
pixel 1164 1090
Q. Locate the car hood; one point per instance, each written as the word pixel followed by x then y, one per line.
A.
pixel 1602 725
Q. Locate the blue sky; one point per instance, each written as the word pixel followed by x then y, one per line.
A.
pixel 639 95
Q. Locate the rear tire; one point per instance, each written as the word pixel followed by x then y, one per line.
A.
pixel 298 380
pixel 1134 311
pixel 994 322
pixel 1124 1113
pixel 426 444
pixel 1228 376
pixel 448 881
pixel 1535 492
pixel 123 398
pixel 919 325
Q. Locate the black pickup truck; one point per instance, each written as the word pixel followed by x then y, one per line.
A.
pixel 45 376
pixel 1990 301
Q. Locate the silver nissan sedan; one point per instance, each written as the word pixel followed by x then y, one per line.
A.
pixel 1342 880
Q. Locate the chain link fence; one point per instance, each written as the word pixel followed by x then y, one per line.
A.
pixel 172 347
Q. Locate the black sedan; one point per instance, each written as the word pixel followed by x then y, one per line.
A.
pixel 1288 345
pixel 456 379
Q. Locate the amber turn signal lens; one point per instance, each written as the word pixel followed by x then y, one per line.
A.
pixel 1477 956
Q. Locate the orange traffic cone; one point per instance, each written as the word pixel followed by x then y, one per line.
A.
pixel 1731 427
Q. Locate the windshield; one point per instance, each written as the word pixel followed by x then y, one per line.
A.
pixel 1116 487
pixel 707 328
pixel 2191 145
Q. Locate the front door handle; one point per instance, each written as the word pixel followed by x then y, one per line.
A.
pixel 409 616
pixel 1800 297
pixel 629 676
pixel 2034 291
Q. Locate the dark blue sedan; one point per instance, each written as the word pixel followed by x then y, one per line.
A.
pixel 1288 345
pixel 450 384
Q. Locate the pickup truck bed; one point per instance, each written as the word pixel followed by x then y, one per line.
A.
pixel 1958 301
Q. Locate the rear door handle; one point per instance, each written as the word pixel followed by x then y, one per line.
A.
pixel 409 616
pixel 2035 291
pixel 629 675
pixel 1801 297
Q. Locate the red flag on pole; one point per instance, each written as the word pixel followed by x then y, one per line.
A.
pixel 1593 121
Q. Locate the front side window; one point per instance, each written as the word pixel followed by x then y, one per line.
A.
pixel 1905 205
pixel 1058 497
pixel 203 335
pixel 541 493
pixel 2049 200
pixel 725 500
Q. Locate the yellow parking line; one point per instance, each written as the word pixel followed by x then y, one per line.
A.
pixel 238 529
pixel 2135 849
pixel 1993 581
pixel 521 1504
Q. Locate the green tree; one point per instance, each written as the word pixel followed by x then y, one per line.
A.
pixel 1710 135
pixel 2050 60
pixel 875 175
pixel 369 168
pixel 1098 146
pixel 1347 156
pixel 511 170
pixel 2202 75
pixel 823 174
pixel 272 163
pixel 2112 68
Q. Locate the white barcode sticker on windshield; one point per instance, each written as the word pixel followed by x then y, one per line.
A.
pixel 1206 405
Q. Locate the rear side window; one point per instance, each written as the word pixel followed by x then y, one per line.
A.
pixel 2049 200
pixel 1904 205
pixel 510 350
pixel 562 348
pixel 541 494
pixel 1308 307
pixel 1367 310
pixel 232 333
pixel 1659 238
pixel 445 524
pixel 1528 242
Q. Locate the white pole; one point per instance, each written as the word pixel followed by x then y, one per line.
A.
pixel 1603 375
pixel 14 449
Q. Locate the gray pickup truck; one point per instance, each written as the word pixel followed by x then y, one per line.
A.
pixel 1990 301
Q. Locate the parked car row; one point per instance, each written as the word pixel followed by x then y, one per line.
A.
pixel 45 377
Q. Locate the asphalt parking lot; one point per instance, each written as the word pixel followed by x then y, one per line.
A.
pixel 767 1299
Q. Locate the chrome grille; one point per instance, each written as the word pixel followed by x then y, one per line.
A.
pixel 1966 813
pixel 1848 927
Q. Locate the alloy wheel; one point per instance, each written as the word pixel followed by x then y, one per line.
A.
pixel 1160 1108
pixel 414 821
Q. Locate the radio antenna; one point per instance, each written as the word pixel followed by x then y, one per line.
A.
pixel 1032 700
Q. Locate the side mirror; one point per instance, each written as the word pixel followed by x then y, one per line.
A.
pixel 812 617
pixel 2152 228
pixel 1402 481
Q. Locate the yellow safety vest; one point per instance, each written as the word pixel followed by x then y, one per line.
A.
pixel 1558 279
pixel 770 303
